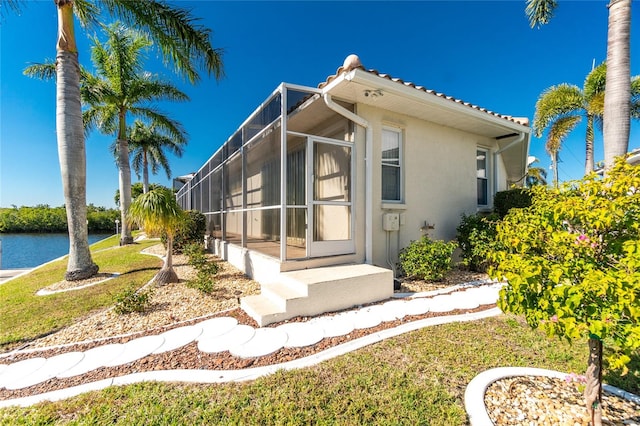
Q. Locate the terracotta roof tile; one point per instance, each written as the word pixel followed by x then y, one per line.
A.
pixel 517 120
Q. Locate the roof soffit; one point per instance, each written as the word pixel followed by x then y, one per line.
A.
pixel 418 102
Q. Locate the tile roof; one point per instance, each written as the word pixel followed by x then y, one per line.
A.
pixel 350 65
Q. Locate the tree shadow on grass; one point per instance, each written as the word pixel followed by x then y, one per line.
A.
pixel 133 271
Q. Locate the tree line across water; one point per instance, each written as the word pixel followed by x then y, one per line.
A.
pixel 45 219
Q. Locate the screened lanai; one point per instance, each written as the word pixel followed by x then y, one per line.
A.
pixel 282 184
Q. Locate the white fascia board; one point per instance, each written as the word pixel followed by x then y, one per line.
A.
pixel 338 80
pixel 376 82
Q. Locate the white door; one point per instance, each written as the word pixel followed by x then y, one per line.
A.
pixel 330 167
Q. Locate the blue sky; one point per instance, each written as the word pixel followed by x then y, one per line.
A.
pixel 483 52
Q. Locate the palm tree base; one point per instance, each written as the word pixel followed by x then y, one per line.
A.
pixel 81 274
pixel 126 240
pixel 166 276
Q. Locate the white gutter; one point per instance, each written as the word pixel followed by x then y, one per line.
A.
pixel 368 221
pixel 512 143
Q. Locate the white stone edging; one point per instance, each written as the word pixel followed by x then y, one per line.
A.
pixel 45 292
pixel 221 376
pixel 477 387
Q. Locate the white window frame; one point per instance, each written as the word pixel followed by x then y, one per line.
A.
pixel 486 177
pixel 399 165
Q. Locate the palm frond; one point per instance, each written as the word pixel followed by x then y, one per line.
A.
pixel 87 12
pixel 15 6
pixel 176 32
pixel 148 87
pixel 90 120
pixel 155 211
pixel 635 97
pixel 162 122
pixel 42 71
pixel 595 81
pixel 149 141
pixel 554 103
pixel 540 12
pixel 559 131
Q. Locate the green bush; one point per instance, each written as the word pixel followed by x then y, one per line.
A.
pixel 475 235
pixel 132 300
pixel 192 230
pixel 513 198
pixel 427 259
pixel 571 262
pixel 206 269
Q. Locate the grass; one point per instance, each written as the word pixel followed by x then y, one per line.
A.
pixel 417 378
pixel 25 316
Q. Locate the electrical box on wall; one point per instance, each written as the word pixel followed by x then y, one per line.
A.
pixel 391 222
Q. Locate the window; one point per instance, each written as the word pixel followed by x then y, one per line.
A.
pixel 482 165
pixel 391 165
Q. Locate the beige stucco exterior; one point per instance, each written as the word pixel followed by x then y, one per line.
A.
pixel 438 181
pixel 440 139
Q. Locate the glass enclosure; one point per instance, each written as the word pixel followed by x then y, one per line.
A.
pixel 282 183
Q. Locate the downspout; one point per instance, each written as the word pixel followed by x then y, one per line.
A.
pixel 368 221
pixel 514 142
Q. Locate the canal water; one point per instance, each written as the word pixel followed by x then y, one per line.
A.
pixel 31 250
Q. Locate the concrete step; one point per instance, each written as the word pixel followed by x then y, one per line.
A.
pixel 315 291
pixel 282 294
pixel 262 309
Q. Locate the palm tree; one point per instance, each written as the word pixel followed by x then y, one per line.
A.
pixel 560 108
pixel 616 117
pixel 180 40
pixel 119 89
pixel 157 211
pixel 148 146
pixel 617 98
pixel 136 190
pixel 535 175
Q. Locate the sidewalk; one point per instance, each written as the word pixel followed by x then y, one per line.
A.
pixel 7 274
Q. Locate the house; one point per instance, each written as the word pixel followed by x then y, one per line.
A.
pixel 326 185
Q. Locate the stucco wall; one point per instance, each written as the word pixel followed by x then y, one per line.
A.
pixel 439 171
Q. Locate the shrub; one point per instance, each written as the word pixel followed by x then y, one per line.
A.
pixel 132 300
pixel 475 235
pixel 206 269
pixel 427 259
pixel 571 265
pixel 192 230
pixel 513 198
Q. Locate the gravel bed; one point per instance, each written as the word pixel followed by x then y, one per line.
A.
pixel 512 401
pixel 538 400
pixel 189 357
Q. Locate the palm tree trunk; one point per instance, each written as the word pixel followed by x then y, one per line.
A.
pixel 71 147
pixel 554 163
pixel 124 175
pixel 124 179
pixel 593 387
pixel 617 97
pixel 145 173
pixel 167 274
pixel 589 161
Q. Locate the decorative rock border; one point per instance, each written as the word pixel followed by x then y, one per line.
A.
pixel 222 376
pixel 46 292
pixel 474 394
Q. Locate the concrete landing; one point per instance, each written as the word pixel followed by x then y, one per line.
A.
pixel 311 292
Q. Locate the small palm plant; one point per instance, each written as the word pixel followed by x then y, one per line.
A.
pixel 158 211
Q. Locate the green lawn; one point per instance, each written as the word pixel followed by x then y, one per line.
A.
pixel 25 316
pixel 416 378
